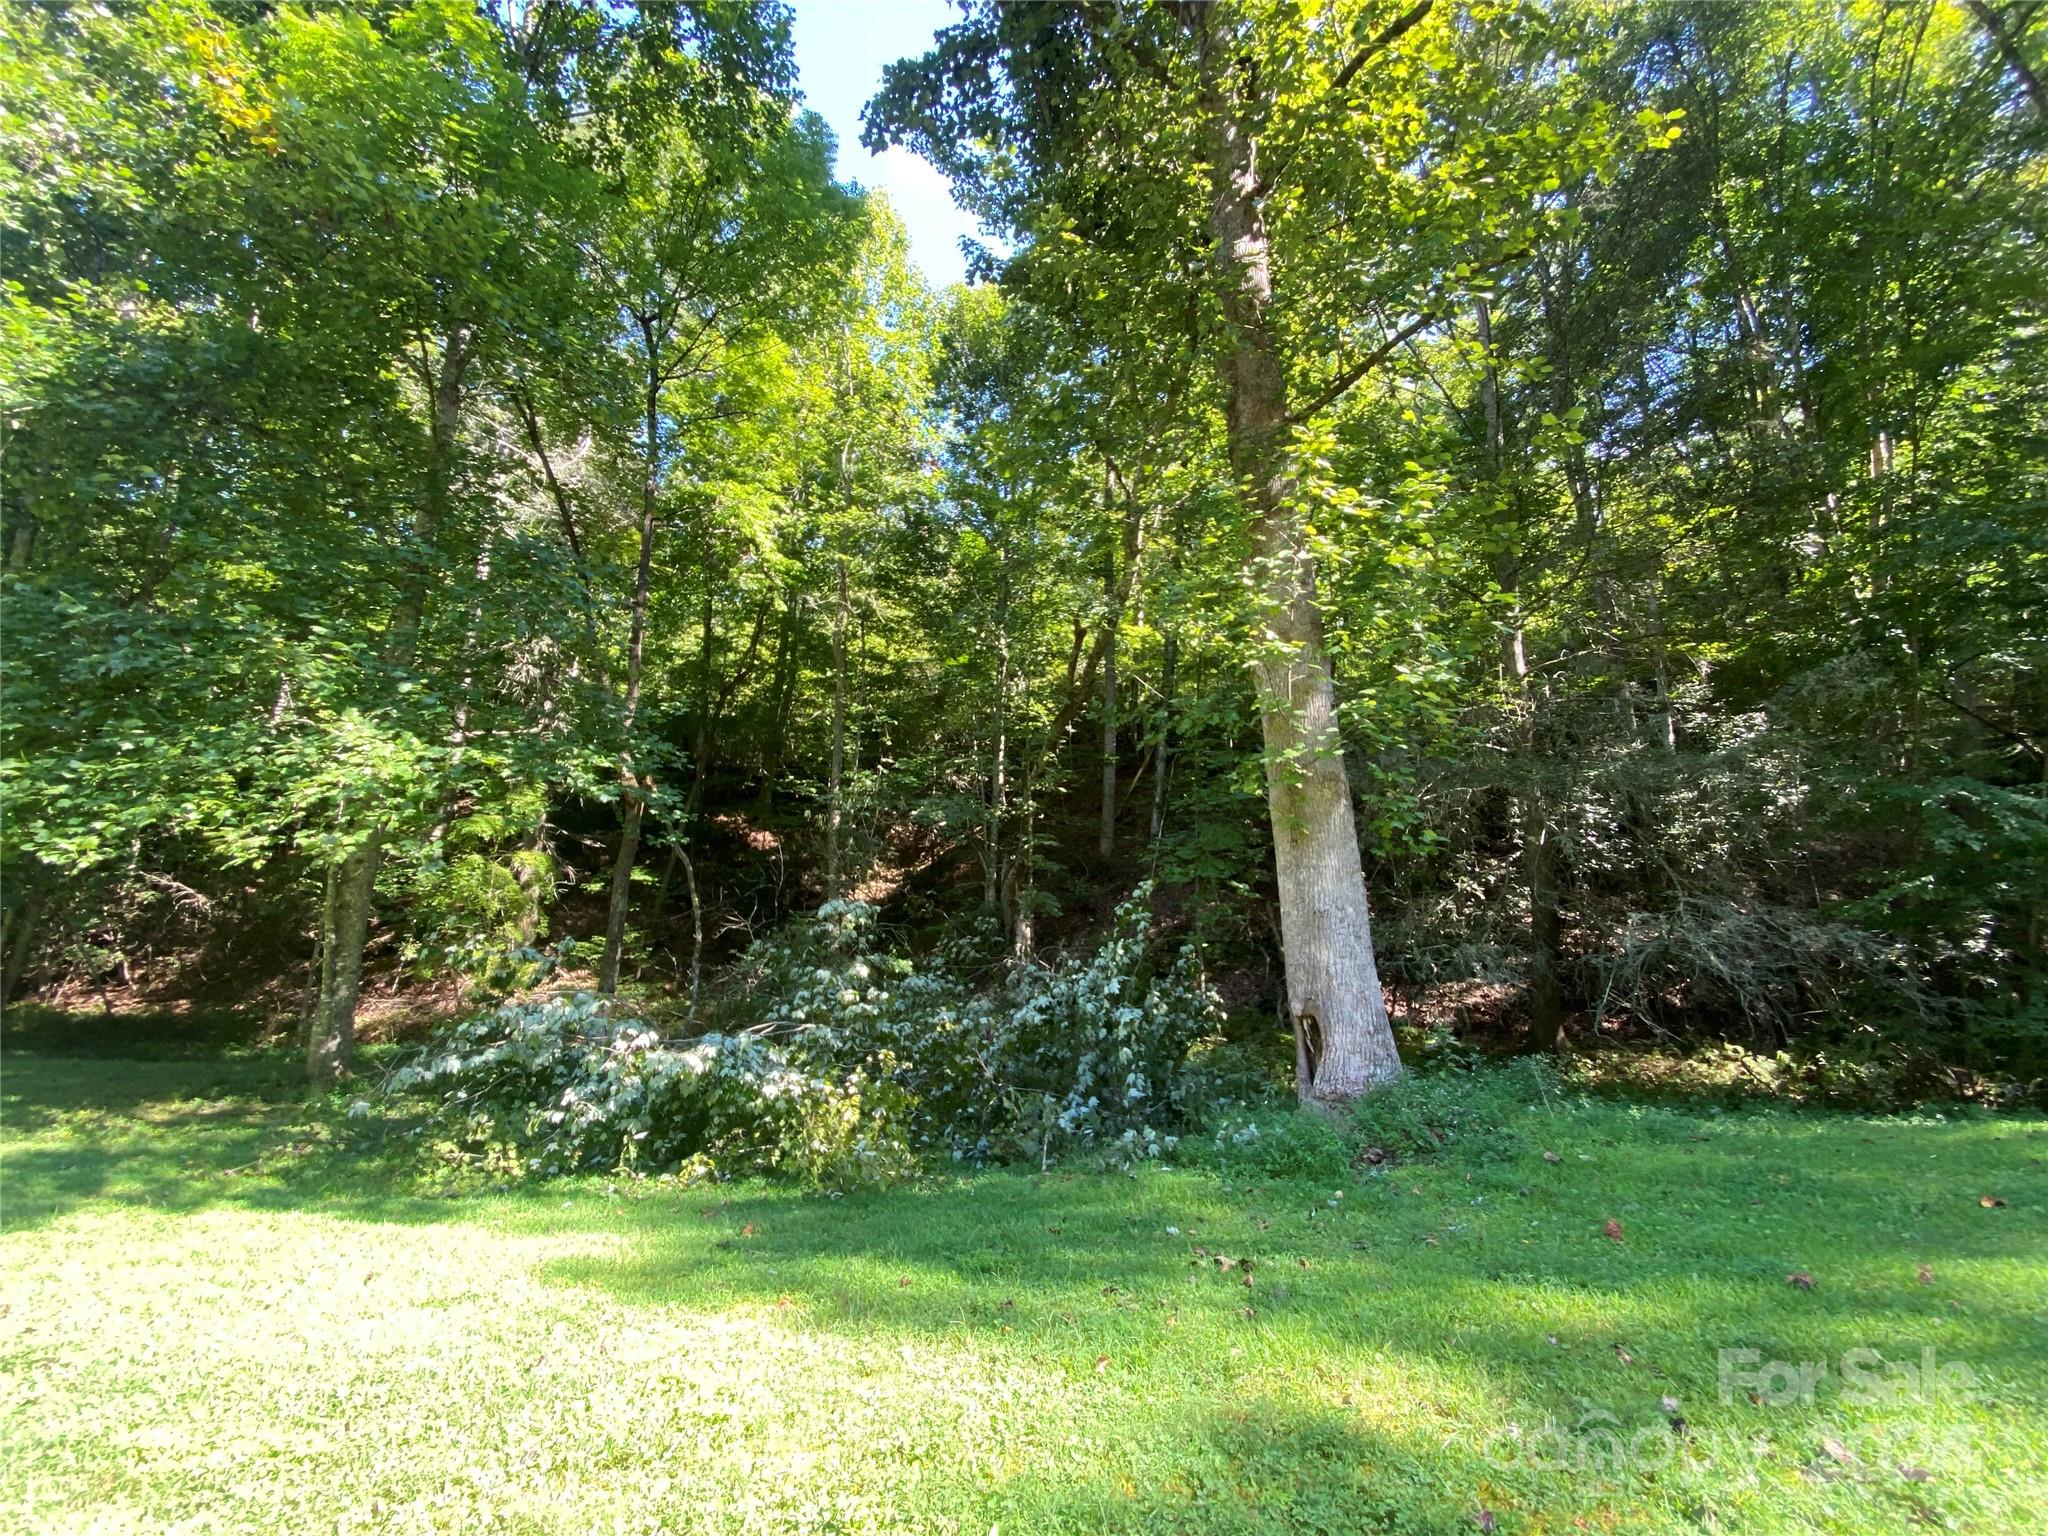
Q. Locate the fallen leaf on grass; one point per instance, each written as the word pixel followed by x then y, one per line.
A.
pixel 1612 1231
pixel 1925 1274
pixel 747 1230
pixel 1836 1450
pixel 1989 1202
pixel 1101 1364
pixel 902 1281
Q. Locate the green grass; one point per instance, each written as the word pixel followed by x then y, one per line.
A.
pixel 215 1320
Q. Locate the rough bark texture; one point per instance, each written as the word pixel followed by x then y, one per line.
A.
pixel 1333 987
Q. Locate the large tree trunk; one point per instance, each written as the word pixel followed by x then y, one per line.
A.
pixel 344 929
pixel 1333 986
pixel 345 925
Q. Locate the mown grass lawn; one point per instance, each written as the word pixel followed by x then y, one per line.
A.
pixel 214 1323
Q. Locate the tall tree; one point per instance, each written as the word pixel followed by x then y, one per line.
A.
pixel 1378 121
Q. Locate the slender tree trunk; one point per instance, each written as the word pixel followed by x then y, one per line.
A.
pixel 707 725
pixel 999 767
pixel 834 782
pixel 1162 760
pixel 633 805
pixel 696 930
pixel 458 736
pixel 22 546
pixel 566 516
pixel 19 946
pixel 1333 986
pixel 331 1037
pixel 1663 722
pixel 1538 837
pixel 351 888
pixel 781 697
pixel 713 700
pixel 1017 871
pixel 1105 843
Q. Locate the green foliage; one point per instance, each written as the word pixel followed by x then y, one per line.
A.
pixel 1664 397
pixel 572 1083
pixel 1091 1056
pixel 840 1064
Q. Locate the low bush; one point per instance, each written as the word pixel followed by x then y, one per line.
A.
pixel 839 1063
pixel 571 1084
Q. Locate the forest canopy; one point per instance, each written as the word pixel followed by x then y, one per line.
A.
pixel 1472 519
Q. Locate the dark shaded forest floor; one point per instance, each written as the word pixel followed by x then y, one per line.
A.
pixel 224 1307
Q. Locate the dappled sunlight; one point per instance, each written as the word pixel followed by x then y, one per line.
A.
pixel 1179 1349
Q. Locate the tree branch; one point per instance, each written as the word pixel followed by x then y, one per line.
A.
pixel 1350 376
pixel 1386 38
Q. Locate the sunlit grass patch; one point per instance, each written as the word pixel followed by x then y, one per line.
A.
pixel 216 1320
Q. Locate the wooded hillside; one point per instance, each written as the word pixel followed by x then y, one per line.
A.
pixel 1531 513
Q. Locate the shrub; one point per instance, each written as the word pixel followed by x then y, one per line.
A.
pixel 569 1084
pixel 838 1063
pixel 1096 1054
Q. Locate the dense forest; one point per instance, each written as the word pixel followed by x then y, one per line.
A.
pixel 1477 522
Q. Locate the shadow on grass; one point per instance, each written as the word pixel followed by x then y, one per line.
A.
pixel 1376 1388
pixel 183 1134
pixel 1387 1331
